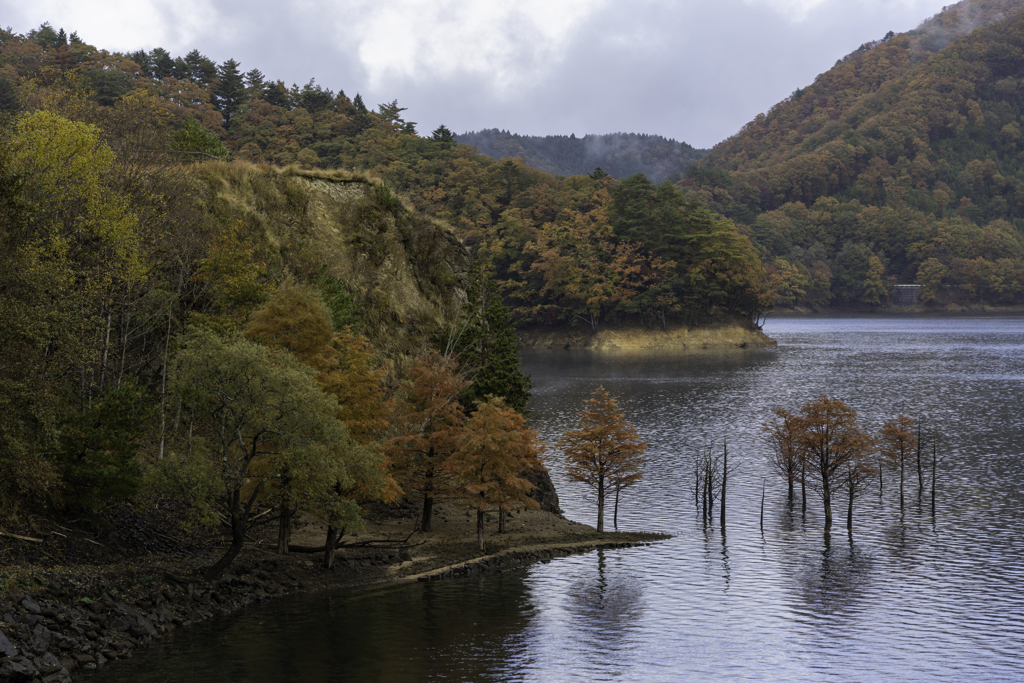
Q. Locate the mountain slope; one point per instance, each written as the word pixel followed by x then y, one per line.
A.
pixel 907 151
pixel 620 155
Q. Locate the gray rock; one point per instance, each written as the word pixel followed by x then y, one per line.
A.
pixel 48 664
pixel 7 648
pixel 142 622
pixel 31 606
pixel 14 667
pixel 41 638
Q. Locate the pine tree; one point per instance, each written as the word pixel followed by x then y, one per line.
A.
pixel 487 347
pixel 229 91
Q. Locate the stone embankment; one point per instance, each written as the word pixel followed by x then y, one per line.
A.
pixel 50 632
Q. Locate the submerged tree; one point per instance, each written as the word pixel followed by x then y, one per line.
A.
pixel 786 458
pixel 898 447
pixel 832 442
pixel 604 449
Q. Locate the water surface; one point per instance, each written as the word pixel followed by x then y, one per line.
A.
pixel 907 596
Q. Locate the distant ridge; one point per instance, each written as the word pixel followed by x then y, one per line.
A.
pixel 620 155
pixel 903 163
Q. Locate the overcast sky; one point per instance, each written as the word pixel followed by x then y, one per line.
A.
pixel 693 70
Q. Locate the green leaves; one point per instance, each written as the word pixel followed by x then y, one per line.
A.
pixel 194 143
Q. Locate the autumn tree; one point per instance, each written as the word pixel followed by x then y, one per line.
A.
pixel 605 451
pixel 493 453
pixel 898 447
pixel 297 320
pixel 785 458
pixel 832 443
pixel 430 420
pixel 258 412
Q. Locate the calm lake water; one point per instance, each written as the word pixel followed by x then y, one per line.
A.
pixel 907 597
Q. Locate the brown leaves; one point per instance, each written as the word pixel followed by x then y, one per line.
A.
pixel 605 452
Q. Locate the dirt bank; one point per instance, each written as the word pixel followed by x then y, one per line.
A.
pixel 644 340
pixel 76 600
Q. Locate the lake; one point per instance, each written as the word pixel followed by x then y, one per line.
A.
pixel 907 596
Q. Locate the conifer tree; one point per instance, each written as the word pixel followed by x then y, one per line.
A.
pixel 487 347
pixel 605 449
pixel 494 452
pixel 229 91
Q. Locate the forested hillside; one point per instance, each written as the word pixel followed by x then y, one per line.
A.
pixel 246 296
pixel 901 164
pixel 620 155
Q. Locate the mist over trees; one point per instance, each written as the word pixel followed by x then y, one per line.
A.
pixel 620 155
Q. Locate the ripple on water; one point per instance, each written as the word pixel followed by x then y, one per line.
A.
pixel 906 597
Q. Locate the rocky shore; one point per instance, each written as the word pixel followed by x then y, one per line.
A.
pixel 56 620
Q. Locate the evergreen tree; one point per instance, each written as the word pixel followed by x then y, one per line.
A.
pixel 196 143
pixel 201 69
pixel 161 64
pixel 9 101
pixel 443 135
pixel 255 84
pixel 277 95
pixel 313 98
pixel 229 91
pixel 488 349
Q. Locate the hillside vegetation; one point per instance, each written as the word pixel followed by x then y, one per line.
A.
pixel 901 164
pixel 620 155
pixel 257 301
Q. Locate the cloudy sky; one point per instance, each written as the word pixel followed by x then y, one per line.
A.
pixel 693 70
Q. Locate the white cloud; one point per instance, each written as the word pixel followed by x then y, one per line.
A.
pixel 509 43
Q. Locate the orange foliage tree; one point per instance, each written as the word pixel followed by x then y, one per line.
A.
pixel 899 446
pixel 605 452
pixel 833 445
pixel 494 452
pixel 431 421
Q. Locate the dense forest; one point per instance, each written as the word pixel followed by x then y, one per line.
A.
pixel 901 164
pixel 252 297
pixel 620 155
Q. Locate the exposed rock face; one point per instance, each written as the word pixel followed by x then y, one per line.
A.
pixel 544 493
pixel 646 340
pixel 406 271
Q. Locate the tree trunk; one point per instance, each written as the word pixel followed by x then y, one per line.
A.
pixel 762 500
pixel 849 508
pixel 428 509
pixel 803 487
pixel 600 503
pixel 615 516
pixel 902 459
pixel 238 525
pixel 790 489
pixel 920 468
pixel 330 546
pixel 284 529
pixel 826 497
pixel 502 523
pixel 725 477
pixel 480 528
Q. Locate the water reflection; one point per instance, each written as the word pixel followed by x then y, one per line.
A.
pixel 911 597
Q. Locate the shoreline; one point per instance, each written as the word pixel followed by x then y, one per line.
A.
pixel 78 617
pixel 628 340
